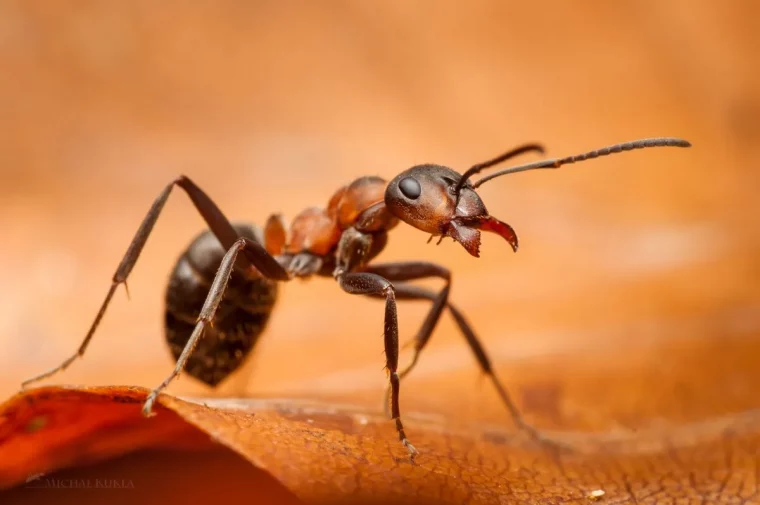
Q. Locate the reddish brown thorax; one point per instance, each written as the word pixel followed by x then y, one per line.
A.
pixel 317 230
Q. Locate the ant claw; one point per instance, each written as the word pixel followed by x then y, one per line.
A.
pixel 147 409
pixel 556 448
pixel 413 452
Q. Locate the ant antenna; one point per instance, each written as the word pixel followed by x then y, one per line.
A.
pixel 482 166
pixel 605 151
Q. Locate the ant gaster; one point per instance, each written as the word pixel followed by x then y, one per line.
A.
pixel 226 297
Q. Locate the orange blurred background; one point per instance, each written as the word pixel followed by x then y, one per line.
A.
pixel 627 264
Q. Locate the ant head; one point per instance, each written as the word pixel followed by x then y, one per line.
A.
pixel 428 198
pixel 440 201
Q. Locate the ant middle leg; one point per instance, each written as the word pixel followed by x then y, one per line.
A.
pixel 216 221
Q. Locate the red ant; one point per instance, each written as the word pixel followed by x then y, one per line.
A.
pixel 213 282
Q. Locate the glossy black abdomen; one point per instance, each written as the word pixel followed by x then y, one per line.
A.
pixel 242 316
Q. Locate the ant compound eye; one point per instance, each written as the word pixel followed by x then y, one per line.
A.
pixel 410 187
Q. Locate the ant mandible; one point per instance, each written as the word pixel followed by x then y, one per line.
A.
pixel 213 282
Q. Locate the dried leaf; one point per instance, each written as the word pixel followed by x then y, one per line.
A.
pixel 325 454
pixel 633 304
pixel 156 477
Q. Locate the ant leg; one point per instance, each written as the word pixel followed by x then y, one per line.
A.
pixel 215 220
pixel 371 284
pixel 261 259
pixel 411 292
pixel 406 271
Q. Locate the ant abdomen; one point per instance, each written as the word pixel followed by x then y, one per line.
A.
pixel 240 320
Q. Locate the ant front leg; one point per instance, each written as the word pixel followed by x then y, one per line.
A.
pixel 371 284
pixel 411 292
pixel 216 221
pixel 412 270
pixel 408 271
pixel 261 259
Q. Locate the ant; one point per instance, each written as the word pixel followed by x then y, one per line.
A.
pixel 224 286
